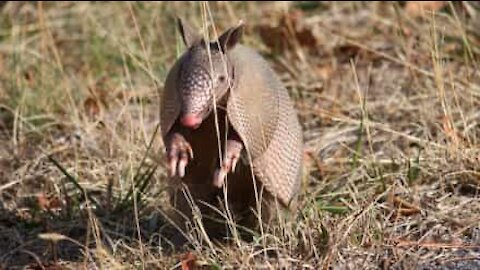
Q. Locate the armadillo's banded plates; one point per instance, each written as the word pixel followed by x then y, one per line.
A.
pixel 170 100
pixel 262 113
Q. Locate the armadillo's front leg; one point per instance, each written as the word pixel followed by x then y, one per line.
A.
pixel 232 155
pixel 179 151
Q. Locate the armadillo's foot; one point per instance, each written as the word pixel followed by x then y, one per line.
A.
pixel 178 151
pixel 229 162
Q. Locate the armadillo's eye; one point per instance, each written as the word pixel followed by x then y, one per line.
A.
pixel 221 78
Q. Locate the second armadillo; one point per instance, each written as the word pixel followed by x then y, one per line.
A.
pixel 221 99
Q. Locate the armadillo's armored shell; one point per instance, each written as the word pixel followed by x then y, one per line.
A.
pixel 260 110
pixel 170 99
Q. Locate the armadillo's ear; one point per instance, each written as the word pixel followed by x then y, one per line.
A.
pixel 231 37
pixel 189 34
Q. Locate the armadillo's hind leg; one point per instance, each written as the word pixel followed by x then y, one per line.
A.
pixel 233 150
pixel 179 151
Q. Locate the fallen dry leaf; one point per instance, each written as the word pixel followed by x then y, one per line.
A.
pixel 92 109
pixel 401 207
pixel 288 33
pixel 48 204
pixel 44 266
pixel 419 8
pixel 101 95
pixel 325 72
pixel 43 201
pixel 188 261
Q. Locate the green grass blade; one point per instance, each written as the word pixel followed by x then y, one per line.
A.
pixel 73 180
pixel 141 179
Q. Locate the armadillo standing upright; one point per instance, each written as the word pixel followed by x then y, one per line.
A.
pixel 227 121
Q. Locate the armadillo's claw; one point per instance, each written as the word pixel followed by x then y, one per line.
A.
pixel 219 177
pixel 234 163
pixel 179 151
pixel 172 167
pixel 232 155
pixel 229 162
pixel 181 167
pixel 190 151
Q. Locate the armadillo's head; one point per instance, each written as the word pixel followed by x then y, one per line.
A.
pixel 206 74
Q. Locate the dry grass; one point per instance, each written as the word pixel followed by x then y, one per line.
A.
pixel 388 101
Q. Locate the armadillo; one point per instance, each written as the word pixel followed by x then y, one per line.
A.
pixel 228 121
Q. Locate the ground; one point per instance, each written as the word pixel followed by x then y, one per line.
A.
pixel 387 94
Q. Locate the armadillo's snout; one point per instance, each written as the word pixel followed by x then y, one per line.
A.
pixel 191 121
pixel 196 92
